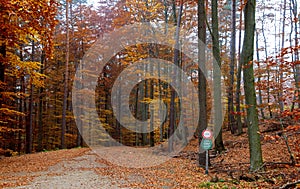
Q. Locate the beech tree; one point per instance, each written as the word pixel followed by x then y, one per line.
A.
pixel 218 118
pixel 201 75
pixel 249 87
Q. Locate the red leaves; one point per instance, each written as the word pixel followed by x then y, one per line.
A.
pixel 293 128
pixel 271 138
pixel 295 114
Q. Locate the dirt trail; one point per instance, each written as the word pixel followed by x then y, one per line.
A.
pixel 77 172
pixel 82 168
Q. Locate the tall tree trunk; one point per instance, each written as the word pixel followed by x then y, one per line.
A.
pixel 119 120
pixel 201 77
pixel 142 111
pixel 22 121
pixel 2 69
pixel 160 85
pixel 268 71
pixel 238 80
pixel 64 111
pixel 280 96
pixel 136 104
pixel 173 92
pixel 29 124
pixel 218 118
pixel 152 139
pixel 259 79
pixel 40 119
pixel 174 11
pixel 250 96
pixel 2 73
pixel 79 120
pixel 145 105
pixel 296 54
pixel 231 120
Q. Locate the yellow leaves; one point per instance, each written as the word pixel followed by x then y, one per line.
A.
pixel 146 100
pixel 7 130
pixel 11 112
pixel 140 11
pixel 107 112
pixel 19 68
pixel 24 20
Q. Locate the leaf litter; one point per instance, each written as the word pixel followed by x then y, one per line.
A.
pixel 82 168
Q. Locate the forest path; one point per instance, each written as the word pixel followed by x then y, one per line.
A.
pixel 71 173
pixel 75 173
pixel 83 168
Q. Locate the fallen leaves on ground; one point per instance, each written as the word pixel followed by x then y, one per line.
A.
pixel 229 169
pixel 15 171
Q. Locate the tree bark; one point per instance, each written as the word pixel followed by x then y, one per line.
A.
pixel 41 101
pixel 250 96
pixel 173 92
pixel 280 95
pixel 296 54
pixel 2 69
pixel 64 111
pixel 238 81
pixel 201 77
pixel 29 124
pixel 231 120
pixel 218 118
pixel 259 79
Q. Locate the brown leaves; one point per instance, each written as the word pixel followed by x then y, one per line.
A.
pixel 16 171
pixel 230 167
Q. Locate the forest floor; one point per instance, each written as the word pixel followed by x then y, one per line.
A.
pixel 82 168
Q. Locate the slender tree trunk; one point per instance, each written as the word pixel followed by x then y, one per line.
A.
pixel 40 118
pixel 29 137
pixel 258 78
pixel 218 118
pixel 146 107
pixel 160 85
pixel 22 120
pixel 151 137
pixel 174 11
pixel 173 92
pixel 29 124
pixel 280 96
pixel 238 78
pixel 231 120
pixel 252 116
pixel 137 140
pixel 118 121
pixel 296 54
pixel 79 120
pixel 64 112
pixel 142 110
pixel 201 77
pixel 268 71
pixel 152 140
pixel 2 69
pixel 2 73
